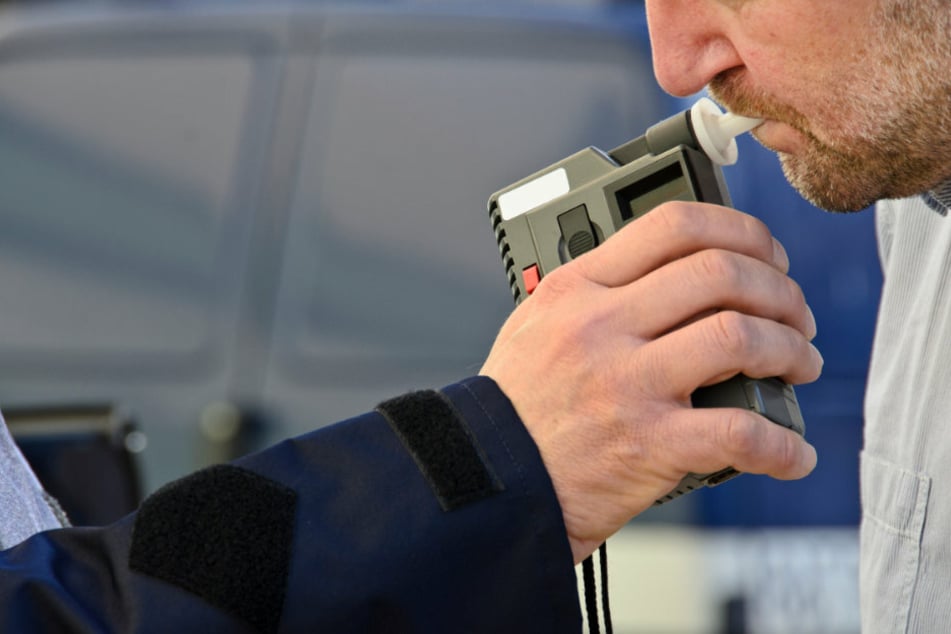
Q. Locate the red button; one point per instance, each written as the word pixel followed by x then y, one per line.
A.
pixel 531 277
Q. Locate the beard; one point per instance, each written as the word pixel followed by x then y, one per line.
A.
pixel 885 132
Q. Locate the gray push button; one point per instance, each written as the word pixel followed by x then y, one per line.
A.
pixel 577 231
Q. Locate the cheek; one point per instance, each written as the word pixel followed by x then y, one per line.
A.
pixel 811 81
pixel 802 52
pixel 783 79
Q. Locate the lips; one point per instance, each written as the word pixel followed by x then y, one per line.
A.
pixel 779 136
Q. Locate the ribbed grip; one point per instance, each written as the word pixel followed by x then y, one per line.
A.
pixel 693 481
pixel 505 251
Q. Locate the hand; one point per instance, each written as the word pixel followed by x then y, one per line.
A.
pixel 601 360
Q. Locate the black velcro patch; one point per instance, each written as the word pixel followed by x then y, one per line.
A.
pixel 224 534
pixel 446 452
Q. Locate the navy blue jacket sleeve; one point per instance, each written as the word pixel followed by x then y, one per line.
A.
pixel 351 528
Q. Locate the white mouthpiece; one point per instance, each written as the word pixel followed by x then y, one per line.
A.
pixel 715 130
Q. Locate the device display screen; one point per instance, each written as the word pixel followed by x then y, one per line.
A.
pixel 667 183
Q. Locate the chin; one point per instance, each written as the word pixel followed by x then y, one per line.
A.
pixel 828 188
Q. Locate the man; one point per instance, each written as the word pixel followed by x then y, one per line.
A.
pixel 464 509
pixel 857 101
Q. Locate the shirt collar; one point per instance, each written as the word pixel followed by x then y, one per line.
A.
pixel 939 198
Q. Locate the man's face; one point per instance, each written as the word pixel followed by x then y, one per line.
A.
pixel 856 94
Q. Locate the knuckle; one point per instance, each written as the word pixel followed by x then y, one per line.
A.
pixel 788 301
pixel 635 446
pixel 719 268
pixel 556 284
pixel 787 289
pixel 741 434
pixel 679 218
pixel 650 372
pixel 758 228
pixel 567 297
pixel 759 233
pixel 798 296
pixel 733 333
pixel 651 440
pixel 789 455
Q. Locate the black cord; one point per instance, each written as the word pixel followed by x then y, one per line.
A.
pixel 605 603
pixel 590 596
pixel 591 593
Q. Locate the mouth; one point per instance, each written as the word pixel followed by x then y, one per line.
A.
pixel 779 137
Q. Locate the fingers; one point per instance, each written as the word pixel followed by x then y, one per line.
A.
pixel 707 440
pixel 674 230
pixel 722 345
pixel 601 360
pixel 712 280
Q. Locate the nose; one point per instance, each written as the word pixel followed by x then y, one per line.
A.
pixel 689 43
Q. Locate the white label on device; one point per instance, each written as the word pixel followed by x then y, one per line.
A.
pixel 543 189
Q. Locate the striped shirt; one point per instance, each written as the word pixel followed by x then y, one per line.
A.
pixel 25 508
pixel 906 459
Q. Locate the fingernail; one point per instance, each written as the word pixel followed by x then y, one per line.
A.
pixel 818 355
pixel 780 258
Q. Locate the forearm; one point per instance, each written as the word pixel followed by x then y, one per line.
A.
pixel 338 530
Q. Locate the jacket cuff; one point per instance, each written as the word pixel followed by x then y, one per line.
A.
pixel 512 451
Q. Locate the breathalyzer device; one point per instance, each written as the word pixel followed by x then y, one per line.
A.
pixel 572 206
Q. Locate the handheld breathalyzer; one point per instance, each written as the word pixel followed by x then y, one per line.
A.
pixel 572 206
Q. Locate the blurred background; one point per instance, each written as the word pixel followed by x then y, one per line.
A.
pixel 224 223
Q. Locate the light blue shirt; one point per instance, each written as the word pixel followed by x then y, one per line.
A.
pixel 906 461
pixel 25 508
